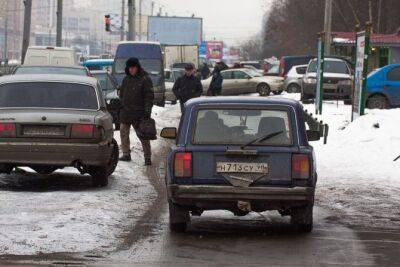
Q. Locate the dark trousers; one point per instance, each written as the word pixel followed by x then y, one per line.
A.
pixel 182 104
pixel 126 142
pixel 216 91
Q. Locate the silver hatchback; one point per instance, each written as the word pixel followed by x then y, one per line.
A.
pixel 49 122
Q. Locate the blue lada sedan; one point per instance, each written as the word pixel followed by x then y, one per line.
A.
pixel 241 154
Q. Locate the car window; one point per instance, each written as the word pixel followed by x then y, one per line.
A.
pixel 240 75
pixel 237 127
pixel 226 75
pixel 301 70
pixel 48 95
pixel 52 70
pixel 330 66
pixel 394 74
pixel 105 81
pixel 149 65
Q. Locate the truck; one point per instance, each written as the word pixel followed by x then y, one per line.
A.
pixel 177 56
pixel 50 56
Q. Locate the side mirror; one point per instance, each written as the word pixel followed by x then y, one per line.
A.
pixel 169 133
pixel 313 135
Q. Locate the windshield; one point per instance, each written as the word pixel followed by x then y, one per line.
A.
pixel 152 66
pixel 51 70
pixel 238 127
pixel 252 73
pixel 48 95
pixel 330 66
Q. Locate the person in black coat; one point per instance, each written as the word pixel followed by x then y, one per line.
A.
pixel 215 88
pixel 205 71
pixel 137 96
pixel 187 86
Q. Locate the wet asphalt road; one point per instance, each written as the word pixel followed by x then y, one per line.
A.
pixel 220 239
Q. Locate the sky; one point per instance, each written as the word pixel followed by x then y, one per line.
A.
pixel 232 21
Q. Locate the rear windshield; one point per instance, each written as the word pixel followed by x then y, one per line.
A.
pixel 238 127
pixel 48 95
pixel 330 66
pixel 152 66
pixel 51 70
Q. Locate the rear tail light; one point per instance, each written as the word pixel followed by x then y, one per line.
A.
pixel 183 165
pixel 7 130
pixel 300 166
pixel 86 131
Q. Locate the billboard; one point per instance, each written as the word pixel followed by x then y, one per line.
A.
pixel 215 50
pixel 175 30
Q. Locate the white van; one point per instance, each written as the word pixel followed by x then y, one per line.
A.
pixel 50 56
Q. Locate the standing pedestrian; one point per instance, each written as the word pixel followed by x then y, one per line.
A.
pixel 187 86
pixel 215 88
pixel 137 96
pixel 205 71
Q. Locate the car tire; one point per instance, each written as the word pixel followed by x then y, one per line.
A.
pixel 293 88
pixel 7 169
pixel 377 102
pixel 178 218
pixel 113 162
pixel 277 92
pixel 263 89
pixel 44 170
pixel 302 218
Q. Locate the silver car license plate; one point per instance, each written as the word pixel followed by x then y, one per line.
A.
pixel 43 131
pixel 241 167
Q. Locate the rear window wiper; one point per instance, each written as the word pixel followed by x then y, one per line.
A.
pixel 261 138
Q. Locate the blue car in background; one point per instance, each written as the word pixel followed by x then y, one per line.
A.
pixel 383 87
pixel 98 64
pixel 241 154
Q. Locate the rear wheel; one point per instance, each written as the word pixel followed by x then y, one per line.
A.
pixel 277 92
pixel 44 170
pixel 263 89
pixel 113 162
pixel 7 169
pixel 377 102
pixel 293 88
pixel 178 218
pixel 302 218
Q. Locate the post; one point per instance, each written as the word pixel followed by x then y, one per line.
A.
pixel 59 22
pixel 160 11
pixel 152 8
pixel 140 20
pixel 123 21
pixel 131 20
pixel 5 56
pixel 328 26
pixel 27 28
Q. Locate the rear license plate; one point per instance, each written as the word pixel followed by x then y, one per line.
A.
pixel 328 86
pixel 241 167
pixel 43 131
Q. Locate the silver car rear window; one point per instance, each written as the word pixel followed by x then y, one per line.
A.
pixel 56 95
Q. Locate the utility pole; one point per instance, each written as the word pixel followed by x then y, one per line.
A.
pixel 59 22
pixel 160 11
pixel 5 54
pixel 123 21
pixel 131 20
pixel 27 28
pixel 140 20
pixel 370 11
pixel 152 8
pixel 328 26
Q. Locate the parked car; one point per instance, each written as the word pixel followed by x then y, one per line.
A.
pixel 58 70
pixel 109 89
pixel 50 55
pixel 241 154
pixel 243 81
pixel 48 122
pixel 383 87
pixel 287 62
pixel 294 77
pixel 338 80
pixel 170 78
pixel 258 66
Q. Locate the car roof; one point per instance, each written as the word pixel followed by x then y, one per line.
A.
pixel 53 66
pixel 226 100
pixel 49 78
pixel 99 72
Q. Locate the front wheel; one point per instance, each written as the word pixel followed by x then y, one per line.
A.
pixel 293 88
pixel 302 218
pixel 263 89
pixel 377 102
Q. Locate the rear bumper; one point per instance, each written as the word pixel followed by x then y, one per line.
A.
pixel 339 92
pixel 28 153
pixel 198 195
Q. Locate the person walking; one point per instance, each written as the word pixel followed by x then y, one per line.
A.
pixel 187 86
pixel 215 88
pixel 205 71
pixel 137 96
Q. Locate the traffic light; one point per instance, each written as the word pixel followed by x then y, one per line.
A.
pixel 107 22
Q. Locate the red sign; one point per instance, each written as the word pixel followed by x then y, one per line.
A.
pixel 215 50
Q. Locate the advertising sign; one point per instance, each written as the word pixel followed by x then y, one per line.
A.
pixel 360 75
pixel 203 49
pixel 319 93
pixel 175 30
pixel 215 50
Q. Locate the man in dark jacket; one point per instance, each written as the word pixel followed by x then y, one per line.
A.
pixel 136 94
pixel 216 83
pixel 187 86
pixel 205 71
